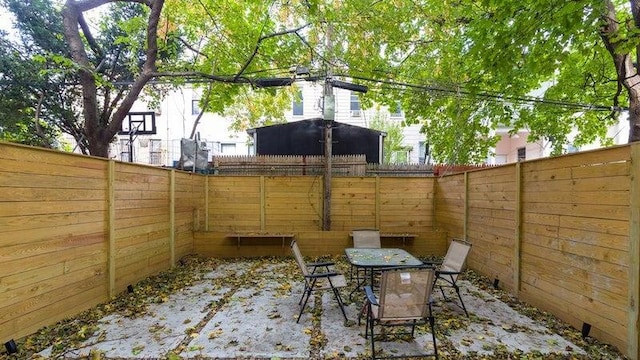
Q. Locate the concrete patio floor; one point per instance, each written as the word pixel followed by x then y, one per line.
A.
pixel 247 309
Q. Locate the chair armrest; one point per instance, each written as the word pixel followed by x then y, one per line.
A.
pixel 446 272
pixel 319 264
pixel 321 275
pixel 432 263
pixel 371 298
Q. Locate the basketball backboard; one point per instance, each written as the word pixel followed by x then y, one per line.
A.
pixel 139 123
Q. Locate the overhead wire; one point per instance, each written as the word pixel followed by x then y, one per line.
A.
pixel 520 99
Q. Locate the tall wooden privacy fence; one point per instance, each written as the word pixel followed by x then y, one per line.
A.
pixel 76 230
pixel 562 233
pixel 294 204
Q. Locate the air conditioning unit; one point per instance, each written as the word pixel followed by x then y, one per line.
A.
pixel 356 113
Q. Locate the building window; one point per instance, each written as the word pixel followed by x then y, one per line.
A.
pixel 355 105
pixel 423 152
pixel 501 159
pixel 522 154
pixel 396 111
pixel 155 151
pixel 228 149
pixel 195 107
pixel 298 104
pixel 124 150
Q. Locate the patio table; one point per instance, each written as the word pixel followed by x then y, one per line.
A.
pixel 379 258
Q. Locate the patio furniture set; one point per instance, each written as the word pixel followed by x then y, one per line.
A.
pixel 395 285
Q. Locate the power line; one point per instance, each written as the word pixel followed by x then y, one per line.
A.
pixel 489 95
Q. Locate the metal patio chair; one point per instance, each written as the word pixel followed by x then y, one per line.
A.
pixel 448 271
pixel 404 300
pixel 365 239
pixel 318 277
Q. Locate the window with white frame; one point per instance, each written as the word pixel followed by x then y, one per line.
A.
pixel 355 105
pixel 423 152
pixel 155 151
pixel 522 154
pixel 228 148
pixel 195 107
pixel 298 104
pixel 396 111
pixel 124 150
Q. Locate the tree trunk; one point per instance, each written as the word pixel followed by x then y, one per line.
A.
pixel 99 147
pixel 634 117
pixel 98 131
pixel 626 70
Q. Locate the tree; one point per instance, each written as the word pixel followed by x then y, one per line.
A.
pixel 461 68
pixel 33 110
pixel 394 151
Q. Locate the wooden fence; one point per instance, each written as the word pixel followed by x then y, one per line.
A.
pixel 75 230
pixel 560 233
pixel 293 204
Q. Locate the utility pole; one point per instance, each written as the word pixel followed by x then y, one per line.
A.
pixel 328 112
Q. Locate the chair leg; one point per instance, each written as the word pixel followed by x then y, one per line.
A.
pixel 432 323
pixel 336 293
pixel 373 345
pixel 306 295
pixel 455 286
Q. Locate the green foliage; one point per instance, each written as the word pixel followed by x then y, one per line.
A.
pixel 472 65
pixel 394 151
pixel 253 108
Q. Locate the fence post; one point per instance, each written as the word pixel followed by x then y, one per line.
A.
pixel 377 202
pixel 262 204
pixel 206 203
pixel 633 326
pixel 518 231
pixel 111 217
pixel 466 205
pixel 172 217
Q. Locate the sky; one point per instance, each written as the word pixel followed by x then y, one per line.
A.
pixel 6 19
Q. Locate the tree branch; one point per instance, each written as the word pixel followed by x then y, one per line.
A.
pixel 260 40
pixel 90 39
pixel 148 69
pixel 71 13
pixel 190 47
pixel 84 5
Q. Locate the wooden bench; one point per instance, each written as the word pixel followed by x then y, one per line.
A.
pixel 403 236
pixel 260 235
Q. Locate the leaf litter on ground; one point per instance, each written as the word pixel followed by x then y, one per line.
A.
pixel 70 333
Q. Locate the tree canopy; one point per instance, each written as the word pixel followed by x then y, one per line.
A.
pixel 460 68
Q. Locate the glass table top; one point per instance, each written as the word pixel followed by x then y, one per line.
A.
pixel 383 257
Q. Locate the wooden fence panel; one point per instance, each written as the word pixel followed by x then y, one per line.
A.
pixel 142 237
pixel 56 215
pixel 234 203
pixel 491 220
pixel 292 203
pixel 353 203
pixel 406 204
pixel 557 232
pixel 575 239
pixel 52 250
pixel 189 210
pixel 449 205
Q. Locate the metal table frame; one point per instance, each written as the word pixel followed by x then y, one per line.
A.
pixel 373 259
